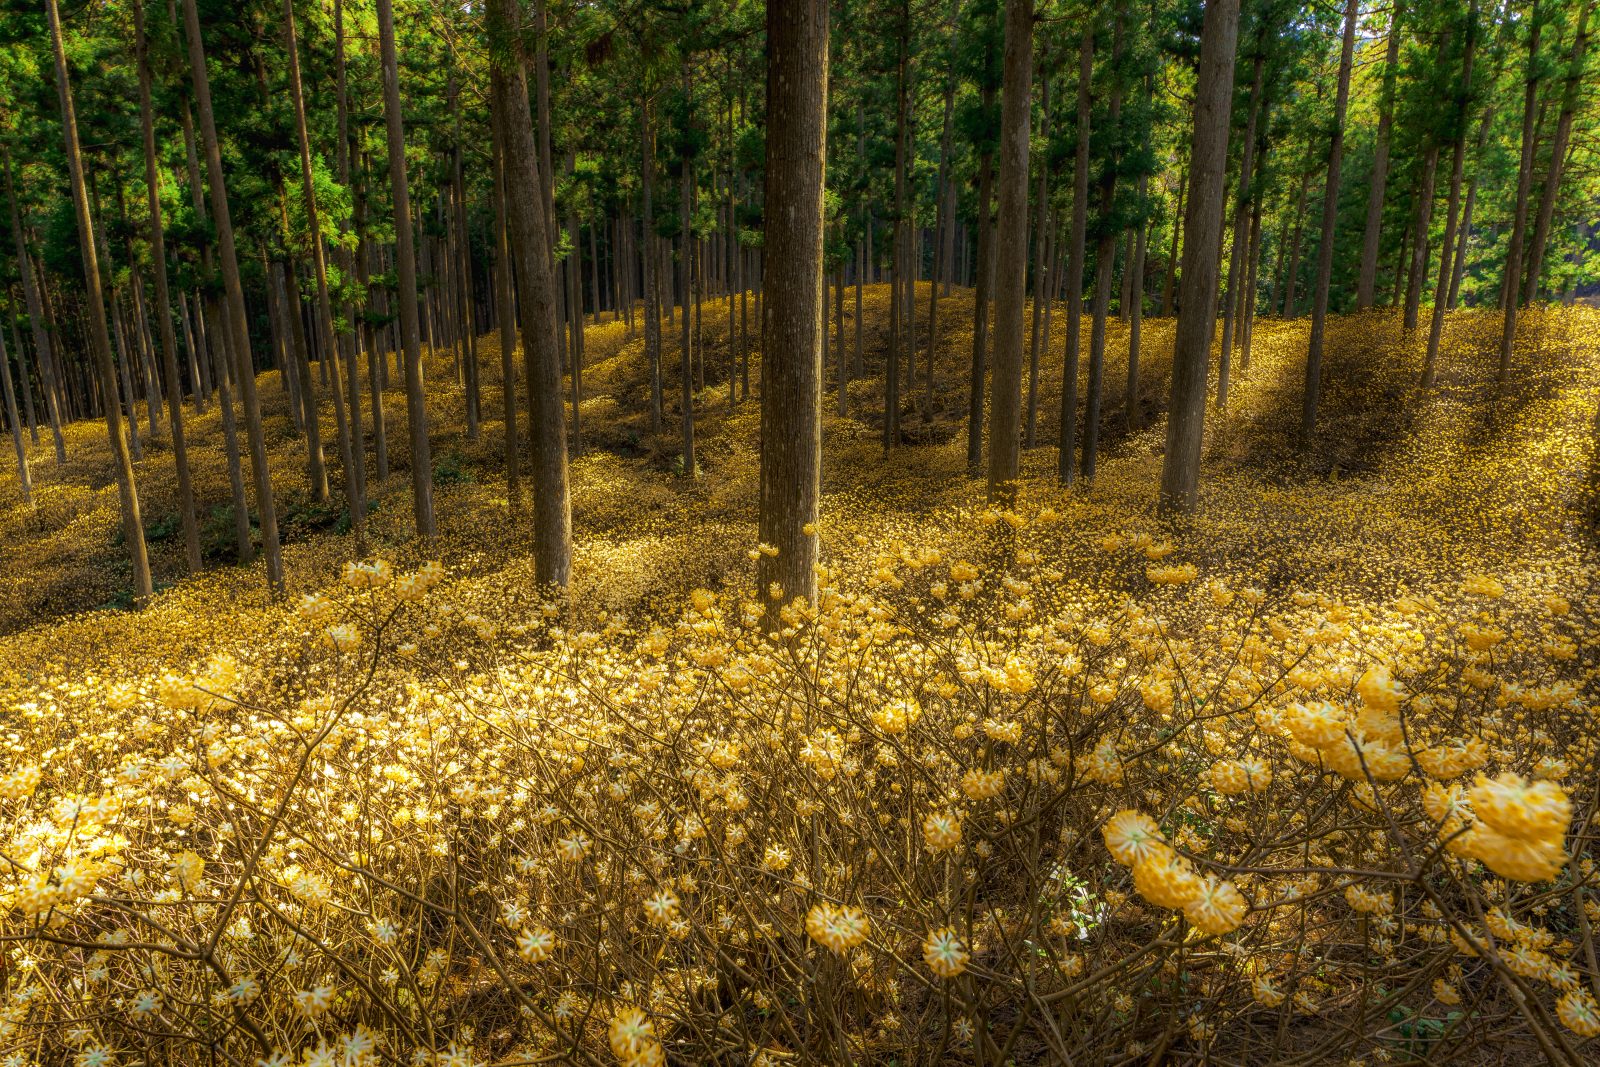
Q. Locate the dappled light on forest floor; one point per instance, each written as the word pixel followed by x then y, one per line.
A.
pixel 1037 784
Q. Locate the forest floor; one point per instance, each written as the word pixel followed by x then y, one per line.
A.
pixel 1388 465
pixel 1449 537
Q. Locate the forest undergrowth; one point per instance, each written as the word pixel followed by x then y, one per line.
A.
pixel 1310 776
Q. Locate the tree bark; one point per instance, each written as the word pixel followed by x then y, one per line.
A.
pixel 406 255
pixel 1558 152
pixel 1130 401
pixel 505 312
pixel 1011 261
pixel 1043 283
pixel 23 480
pixel 244 366
pixel 1105 255
pixel 158 265
pixel 980 303
pixel 1241 221
pixel 793 313
pixel 1066 467
pixel 49 376
pixel 1169 284
pixel 1417 268
pixel 1441 299
pixel 652 285
pixel 536 306
pixel 319 265
pixel 1202 246
pixel 1531 78
pixel 1373 230
pixel 685 281
pixel 1330 219
pixel 100 345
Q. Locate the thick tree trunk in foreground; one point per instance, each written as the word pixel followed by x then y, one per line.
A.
pixel 1202 245
pixel 1011 262
pixel 536 306
pixel 1330 218
pixel 406 255
pixel 793 313
pixel 100 344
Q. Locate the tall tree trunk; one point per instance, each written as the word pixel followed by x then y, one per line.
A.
pixel 1380 166
pixel 244 365
pixel 944 223
pixel 1011 260
pixel 685 281
pixel 1530 96
pixel 1169 284
pixel 1417 269
pixel 1066 467
pixel 1558 152
pixel 122 464
pixel 1330 219
pixel 793 313
pixel 1292 278
pixel 1043 282
pixel 575 322
pixel 980 304
pixel 1202 247
pixel 1247 300
pixel 406 255
pixel 49 377
pixel 505 308
pixel 1105 256
pixel 1130 401
pixel 1241 220
pixel 319 265
pixel 23 386
pixel 536 306
pixel 23 480
pixel 1441 299
pixel 900 278
pixel 158 266
pixel 350 340
pixel 468 328
pixel 652 285
pixel 541 88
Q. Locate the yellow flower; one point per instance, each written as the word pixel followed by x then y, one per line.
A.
pixel 982 785
pixel 1217 908
pixel 1167 880
pixel 535 943
pixel 838 929
pixel 944 953
pixel 942 831
pixel 1132 837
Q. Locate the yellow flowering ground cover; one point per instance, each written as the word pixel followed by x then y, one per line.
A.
pixel 1311 777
